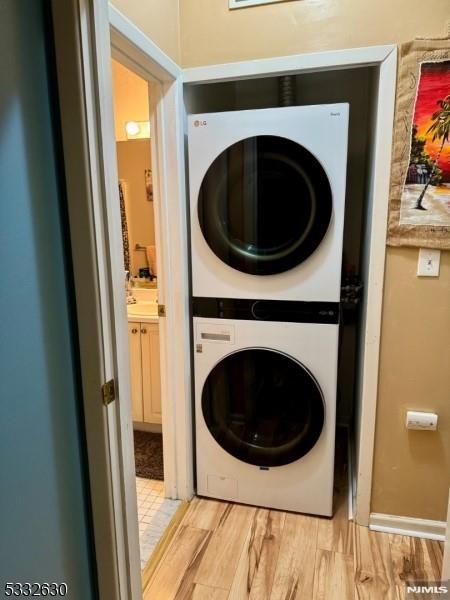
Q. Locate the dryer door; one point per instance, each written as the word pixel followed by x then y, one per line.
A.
pixel 264 205
pixel 263 407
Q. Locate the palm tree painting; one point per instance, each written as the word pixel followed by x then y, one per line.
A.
pixel 426 193
pixel 440 129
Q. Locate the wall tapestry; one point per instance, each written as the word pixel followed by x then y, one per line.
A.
pixel 419 211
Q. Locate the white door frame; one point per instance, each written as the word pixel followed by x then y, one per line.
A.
pixel 84 31
pixel 134 50
pixel 446 557
pixel 385 58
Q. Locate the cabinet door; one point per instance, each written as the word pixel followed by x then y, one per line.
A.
pixel 134 342
pixel 151 377
pixel 155 372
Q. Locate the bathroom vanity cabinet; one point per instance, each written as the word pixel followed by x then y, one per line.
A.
pixel 145 371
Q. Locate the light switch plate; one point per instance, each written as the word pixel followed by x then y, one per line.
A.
pixel 429 262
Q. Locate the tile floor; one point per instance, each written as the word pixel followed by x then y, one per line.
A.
pixel 154 514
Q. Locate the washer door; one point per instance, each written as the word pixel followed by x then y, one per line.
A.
pixel 263 407
pixel 264 205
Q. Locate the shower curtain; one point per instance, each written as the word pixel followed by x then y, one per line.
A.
pixel 123 218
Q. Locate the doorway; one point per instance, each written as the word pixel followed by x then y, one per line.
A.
pixel 138 195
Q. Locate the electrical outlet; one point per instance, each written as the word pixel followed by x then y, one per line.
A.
pixel 421 420
pixel 429 262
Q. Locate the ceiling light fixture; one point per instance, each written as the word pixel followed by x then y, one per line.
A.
pixel 132 128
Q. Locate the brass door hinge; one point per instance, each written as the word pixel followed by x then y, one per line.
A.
pixel 108 392
pixel 161 310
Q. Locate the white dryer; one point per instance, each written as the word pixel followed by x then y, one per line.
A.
pixel 265 400
pixel 267 200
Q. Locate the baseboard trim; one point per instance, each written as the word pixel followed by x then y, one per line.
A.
pixel 351 478
pixel 148 427
pixel 423 528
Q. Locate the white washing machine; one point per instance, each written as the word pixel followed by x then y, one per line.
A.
pixel 265 399
pixel 267 200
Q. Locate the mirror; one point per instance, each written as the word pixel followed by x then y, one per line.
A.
pixel 134 160
pixel 136 206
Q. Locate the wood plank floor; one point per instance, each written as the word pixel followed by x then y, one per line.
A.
pixel 225 551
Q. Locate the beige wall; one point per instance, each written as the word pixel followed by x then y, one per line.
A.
pixel 158 19
pixel 210 33
pixel 412 468
pixel 130 98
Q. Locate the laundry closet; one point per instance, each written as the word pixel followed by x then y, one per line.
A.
pixel 280 211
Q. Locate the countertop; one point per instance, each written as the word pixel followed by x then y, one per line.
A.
pixel 143 318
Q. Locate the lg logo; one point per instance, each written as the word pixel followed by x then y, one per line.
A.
pixel 199 123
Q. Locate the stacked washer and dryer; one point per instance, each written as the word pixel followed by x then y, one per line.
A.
pixel 267 198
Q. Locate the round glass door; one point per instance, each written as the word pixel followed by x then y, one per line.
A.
pixel 264 205
pixel 263 407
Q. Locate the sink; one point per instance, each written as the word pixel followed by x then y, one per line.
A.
pixel 143 309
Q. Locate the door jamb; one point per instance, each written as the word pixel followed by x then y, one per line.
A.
pixel 446 557
pixel 134 50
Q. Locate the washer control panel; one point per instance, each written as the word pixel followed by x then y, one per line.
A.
pixel 216 333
